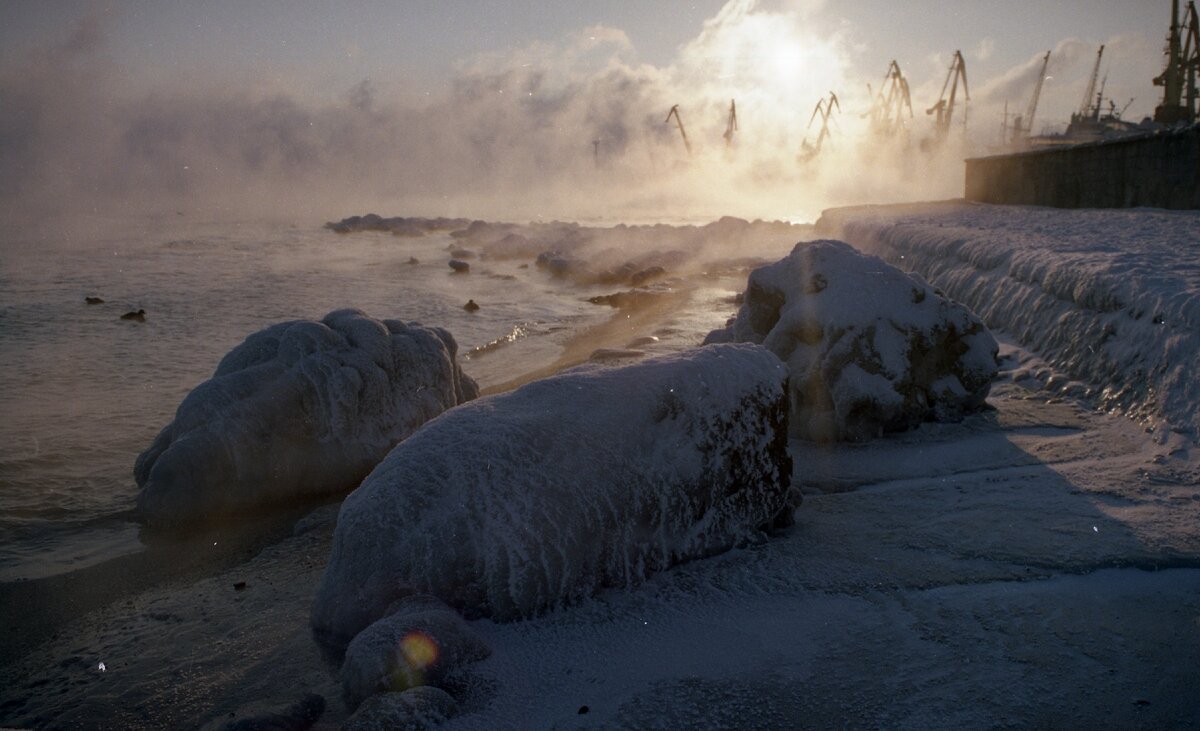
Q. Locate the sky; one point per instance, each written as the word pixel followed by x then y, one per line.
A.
pixel 101 99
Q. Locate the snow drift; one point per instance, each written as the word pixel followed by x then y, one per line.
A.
pixel 300 408
pixel 869 348
pixel 1111 297
pixel 522 502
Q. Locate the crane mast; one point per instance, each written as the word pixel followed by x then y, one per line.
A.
pixel 887 113
pixel 1085 107
pixel 1178 79
pixel 679 121
pixel 944 109
pixel 1027 130
pixel 731 125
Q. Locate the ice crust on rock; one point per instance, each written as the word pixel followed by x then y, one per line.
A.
pixel 421 641
pixel 301 408
pixel 1111 297
pixel 417 709
pixel 518 503
pixel 869 348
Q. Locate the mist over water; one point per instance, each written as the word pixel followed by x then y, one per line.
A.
pixel 201 202
pixel 574 129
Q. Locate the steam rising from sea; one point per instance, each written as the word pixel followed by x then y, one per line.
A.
pixel 574 130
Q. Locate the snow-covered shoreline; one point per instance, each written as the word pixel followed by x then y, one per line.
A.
pixel 1109 297
pixel 1037 564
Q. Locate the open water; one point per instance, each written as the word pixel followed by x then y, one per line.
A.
pixel 82 391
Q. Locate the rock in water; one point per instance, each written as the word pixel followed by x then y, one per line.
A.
pixel 421 641
pixel 870 348
pixel 521 502
pixel 301 408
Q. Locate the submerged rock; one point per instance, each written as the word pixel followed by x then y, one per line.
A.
pixel 413 710
pixel 420 642
pixel 301 408
pixel 521 502
pixel 870 348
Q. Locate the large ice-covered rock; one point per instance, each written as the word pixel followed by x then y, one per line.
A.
pixel 301 408
pixel 869 348
pixel 521 502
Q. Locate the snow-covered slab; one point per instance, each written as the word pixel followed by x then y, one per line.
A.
pixel 1108 297
pixel 301 408
pixel 869 348
pixel 522 502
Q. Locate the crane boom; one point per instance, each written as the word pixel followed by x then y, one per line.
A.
pixel 944 108
pixel 1178 79
pixel 679 121
pixel 1085 107
pixel 1037 93
pixel 731 126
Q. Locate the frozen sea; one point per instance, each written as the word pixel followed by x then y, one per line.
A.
pixel 82 392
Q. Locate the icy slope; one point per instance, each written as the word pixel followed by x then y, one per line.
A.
pixel 525 501
pixel 869 348
pixel 1110 297
pixel 300 408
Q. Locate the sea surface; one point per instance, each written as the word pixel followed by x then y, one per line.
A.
pixel 83 392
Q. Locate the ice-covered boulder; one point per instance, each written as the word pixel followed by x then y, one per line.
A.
pixel 421 641
pixel 521 502
pixel 301 408
pixel 869 348
pixel 418 709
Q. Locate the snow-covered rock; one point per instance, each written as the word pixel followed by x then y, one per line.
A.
pixel 517 503
pixel 417 709
pixel 1110 297
pixel 869 348
pixel 300 408
pixel 421 641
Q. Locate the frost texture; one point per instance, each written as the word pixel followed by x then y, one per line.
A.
pixel 420 642
pixel 521 502
pixel 869 348
pixel 300 408
pixel 1111 297
pixel 418 709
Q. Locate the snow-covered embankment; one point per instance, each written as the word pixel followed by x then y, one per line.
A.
pixel 1110 297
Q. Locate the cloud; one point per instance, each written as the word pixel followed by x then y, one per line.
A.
pixel 985 49
pixel 512 137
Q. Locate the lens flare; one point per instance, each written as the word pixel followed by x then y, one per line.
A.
pixel 419 650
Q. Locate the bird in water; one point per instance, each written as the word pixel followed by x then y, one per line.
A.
pixel 471 306
pixel 93 300
pixel 139 316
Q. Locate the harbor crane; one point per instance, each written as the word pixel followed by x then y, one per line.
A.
pixel 887 112
pixel 1085 108
pixel 944 109
pixel 1178 79
pixel 1023 126
pixel 824 110
pixel 730 126
pixel 679 121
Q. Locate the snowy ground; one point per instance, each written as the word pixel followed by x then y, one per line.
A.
pixel 1036 565
pixel 1111 298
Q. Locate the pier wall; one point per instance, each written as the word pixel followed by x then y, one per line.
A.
pixel 1160 170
